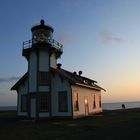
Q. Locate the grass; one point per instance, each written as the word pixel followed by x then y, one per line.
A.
pixel 111 125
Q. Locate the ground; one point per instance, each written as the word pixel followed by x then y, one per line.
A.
pixel 110 125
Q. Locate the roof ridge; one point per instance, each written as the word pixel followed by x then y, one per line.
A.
pixel 71 77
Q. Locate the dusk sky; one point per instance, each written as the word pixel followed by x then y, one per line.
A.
pixel 100 37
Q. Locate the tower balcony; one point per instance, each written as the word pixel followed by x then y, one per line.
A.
pixel 54 44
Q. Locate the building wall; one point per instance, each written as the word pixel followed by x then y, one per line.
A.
pixel 46 114
pixel 53 60
pixel 44 66
pixel 43 60
pixel 44 88
pixel 85 93
pixel 32 72
pixel 60 84
pixel 23 90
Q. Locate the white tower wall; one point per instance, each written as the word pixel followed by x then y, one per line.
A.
pixel 32 72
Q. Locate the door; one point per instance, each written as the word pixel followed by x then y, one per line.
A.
pixel 33 107
pixel 86 107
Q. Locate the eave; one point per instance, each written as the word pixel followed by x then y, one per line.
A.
pixel 19 82
pixel 95 87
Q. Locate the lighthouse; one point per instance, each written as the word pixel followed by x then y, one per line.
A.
pixel 41 52
pixel 47 90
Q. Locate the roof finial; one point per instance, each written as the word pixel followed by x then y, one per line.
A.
pixel 42 22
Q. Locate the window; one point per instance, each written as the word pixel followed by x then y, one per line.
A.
pixel 23 103
pixel 43 78
pixel 62 101
pixel 43 102
pixel 94 101
pixel 75 101
pixel 100 104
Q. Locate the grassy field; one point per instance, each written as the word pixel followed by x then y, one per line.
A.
pixel 110 125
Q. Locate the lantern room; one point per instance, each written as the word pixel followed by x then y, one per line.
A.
pixel 41 32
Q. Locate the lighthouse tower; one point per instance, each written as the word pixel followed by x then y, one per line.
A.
pixel 41 52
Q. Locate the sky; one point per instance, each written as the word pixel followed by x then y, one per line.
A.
pixel 100 37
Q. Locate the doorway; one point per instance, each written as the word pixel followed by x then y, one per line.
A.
pixel 86 107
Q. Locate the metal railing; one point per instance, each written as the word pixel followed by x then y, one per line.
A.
pixel 54 43
pixel 27 44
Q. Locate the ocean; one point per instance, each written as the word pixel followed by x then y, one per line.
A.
pixel 114 106
pixel 106 106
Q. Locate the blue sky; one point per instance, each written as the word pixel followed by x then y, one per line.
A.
pixel 100 37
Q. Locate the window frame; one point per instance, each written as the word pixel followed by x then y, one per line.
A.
pixel 43 78
pixel 94 101
pixel 23 105
pixel 75 101
pixel 43 106
pixel 100 101
pixel 62 101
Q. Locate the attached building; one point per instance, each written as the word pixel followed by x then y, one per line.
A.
pixel 46 90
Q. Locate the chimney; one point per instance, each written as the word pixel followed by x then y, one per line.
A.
pixel 59 65
pixel 75 73
pixel 80 73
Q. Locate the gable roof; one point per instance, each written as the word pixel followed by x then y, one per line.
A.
pixel 73 78
pixel 77 79
pixel 20 81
